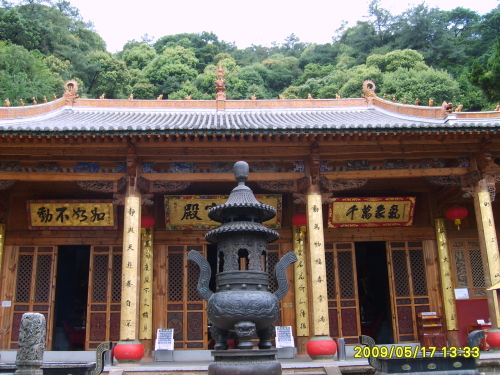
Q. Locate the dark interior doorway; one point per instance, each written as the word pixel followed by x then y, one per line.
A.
pixel 72 280
pixel 373 291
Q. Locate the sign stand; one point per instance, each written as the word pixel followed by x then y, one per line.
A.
pixel 164 345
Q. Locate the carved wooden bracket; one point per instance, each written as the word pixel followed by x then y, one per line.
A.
pixel 314 163
pixel 131 164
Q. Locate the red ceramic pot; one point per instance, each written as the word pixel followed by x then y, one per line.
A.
pixel 128 351
pixel 493 338
pixel 322 347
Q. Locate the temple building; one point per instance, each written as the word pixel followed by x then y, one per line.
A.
pixel 390 209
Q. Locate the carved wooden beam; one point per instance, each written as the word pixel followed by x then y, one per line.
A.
pixel 103 186
pixel 5 184
pixel 158 186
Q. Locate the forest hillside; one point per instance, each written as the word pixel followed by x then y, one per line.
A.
pixel 423 53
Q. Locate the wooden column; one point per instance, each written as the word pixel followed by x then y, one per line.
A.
pixel 317 261
pixel 489 246
pixel 130 266
pixel 301 289
pixel 2 244
pixel 450 307
pixel 146 299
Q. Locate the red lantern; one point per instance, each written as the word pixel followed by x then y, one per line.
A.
pixel 300 220
pixel 147 221
pixel 457 213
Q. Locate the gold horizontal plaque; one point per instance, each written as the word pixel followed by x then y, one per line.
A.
pixel 191 211
pixel 72 214
pixel 371 212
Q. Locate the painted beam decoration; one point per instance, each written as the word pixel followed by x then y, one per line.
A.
pixel 191 211
pixel 83 214
pixel 371 212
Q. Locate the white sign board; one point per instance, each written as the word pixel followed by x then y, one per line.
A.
pixel 284 337
pixel 164 339
pixel 461 293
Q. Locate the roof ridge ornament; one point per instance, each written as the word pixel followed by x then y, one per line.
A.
pixel 220 85
pixel 70 93
pixel 369 90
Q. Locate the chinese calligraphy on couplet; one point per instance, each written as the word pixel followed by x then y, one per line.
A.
pixel 371 212
pixel 72 214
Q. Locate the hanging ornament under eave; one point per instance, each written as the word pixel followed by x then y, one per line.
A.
pixel 300 220
pixel 457 213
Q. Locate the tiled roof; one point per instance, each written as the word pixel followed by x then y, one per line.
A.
pixel 116 120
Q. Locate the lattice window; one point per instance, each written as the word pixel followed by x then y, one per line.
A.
pixel 116 279
pixel 400 270
pixel 346 279
pixel 33 287
pixel 100 278
pixel 417 266
pixel 193 276
pixel 175 277
pixel 461 269
pixel 272 259
pixel 476 266
pixel 23 282
pixel 469 271
pixel 43 278
pixel 330 274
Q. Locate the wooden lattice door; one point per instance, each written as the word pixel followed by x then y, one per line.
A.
pixel 34 288
pixel 408 285
pixel 343 307
pixel 185 307
pixel 104 299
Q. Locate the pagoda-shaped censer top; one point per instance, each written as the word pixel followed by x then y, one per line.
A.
pixel 242 213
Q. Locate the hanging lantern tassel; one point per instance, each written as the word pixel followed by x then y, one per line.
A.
pixel 457 213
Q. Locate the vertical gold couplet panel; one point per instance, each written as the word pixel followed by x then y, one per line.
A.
pixel 450 308
pixel 317 260
pixel 146 299
pixel 488 240
pixel 300 275
pixel 2 244
pixel 130 268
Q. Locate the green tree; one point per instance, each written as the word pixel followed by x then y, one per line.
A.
pixel 139 57
pixel 394 60
pixel 171 68
pixel 106 74
pixel 488 78
pixel 423 84
pixel 24 75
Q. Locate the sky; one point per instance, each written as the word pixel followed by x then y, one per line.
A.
pixel 258 22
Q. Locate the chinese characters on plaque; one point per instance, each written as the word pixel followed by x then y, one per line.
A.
pixel 72 214
pixel 191 211
pixel 371 212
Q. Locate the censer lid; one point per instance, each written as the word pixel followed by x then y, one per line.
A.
pixel 242 204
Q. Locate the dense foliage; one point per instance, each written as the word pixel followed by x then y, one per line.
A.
pixel 422 53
